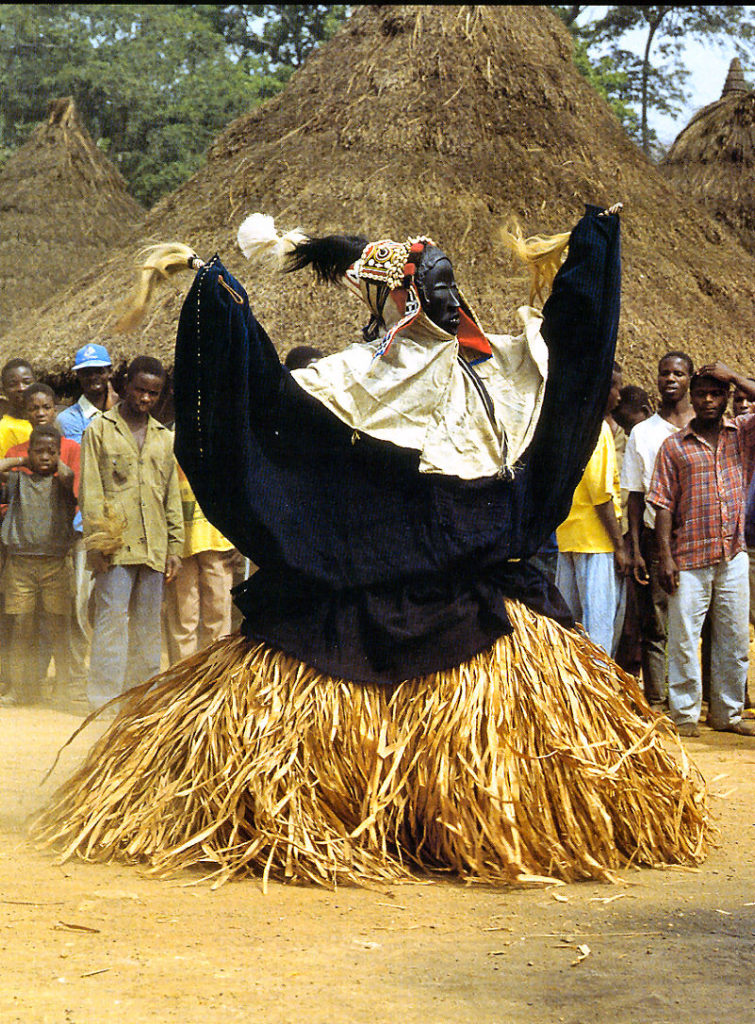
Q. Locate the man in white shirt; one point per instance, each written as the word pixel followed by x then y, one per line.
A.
pixel 675 411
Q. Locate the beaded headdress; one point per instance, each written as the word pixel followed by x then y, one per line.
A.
pixel 392 265
pixel 373 270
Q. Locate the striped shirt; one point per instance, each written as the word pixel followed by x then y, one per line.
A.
pixel 704 490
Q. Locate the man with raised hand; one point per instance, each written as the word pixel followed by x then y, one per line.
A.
pixel 699 496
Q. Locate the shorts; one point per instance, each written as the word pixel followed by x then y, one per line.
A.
pixel 27 578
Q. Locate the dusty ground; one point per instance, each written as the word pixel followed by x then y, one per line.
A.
pixel 93 944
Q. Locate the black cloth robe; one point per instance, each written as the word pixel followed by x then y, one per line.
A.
pixel 368 569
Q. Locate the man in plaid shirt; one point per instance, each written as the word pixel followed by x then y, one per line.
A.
pixel 699 496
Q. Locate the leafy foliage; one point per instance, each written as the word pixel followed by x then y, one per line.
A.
pixel 635 84
pixel 154 82
pixel 612 84
pixel 281 35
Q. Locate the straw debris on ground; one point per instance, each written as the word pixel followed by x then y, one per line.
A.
pixel 444 120
pixel 536 760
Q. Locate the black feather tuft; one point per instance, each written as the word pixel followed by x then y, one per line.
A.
pixel 330 256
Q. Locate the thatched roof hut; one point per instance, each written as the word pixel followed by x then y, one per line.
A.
pixel 440 120
pixel 63 206
pixel 713 158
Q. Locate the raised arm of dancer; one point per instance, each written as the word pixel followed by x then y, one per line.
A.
pixel 580 324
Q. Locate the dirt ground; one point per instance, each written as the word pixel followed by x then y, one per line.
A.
pixel 95 944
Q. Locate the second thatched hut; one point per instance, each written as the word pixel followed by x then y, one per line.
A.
pixel 64 207
pixel 713 158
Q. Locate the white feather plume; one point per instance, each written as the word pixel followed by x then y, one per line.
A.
pixel 257 237
pixel 257 234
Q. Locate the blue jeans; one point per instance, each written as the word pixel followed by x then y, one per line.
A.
pixel 596 596
pixel 724 588
pixel 126 640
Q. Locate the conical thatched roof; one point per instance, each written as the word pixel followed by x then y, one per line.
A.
pixel 713 158
pixel 437 120
pixel 735 79
pixel 63 206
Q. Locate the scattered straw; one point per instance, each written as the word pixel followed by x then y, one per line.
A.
pixel 107 531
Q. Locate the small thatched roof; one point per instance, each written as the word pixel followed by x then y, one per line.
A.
pixel 735 79
pixel 713 158
pixel 63 206
pixel 439 120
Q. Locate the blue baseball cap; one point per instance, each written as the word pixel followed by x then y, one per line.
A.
pixel 91 355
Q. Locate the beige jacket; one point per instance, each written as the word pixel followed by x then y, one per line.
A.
pixel 141 486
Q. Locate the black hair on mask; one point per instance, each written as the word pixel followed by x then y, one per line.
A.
pixel 329 256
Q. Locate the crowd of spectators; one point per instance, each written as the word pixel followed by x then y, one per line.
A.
pixel 656 554
pixel 110 569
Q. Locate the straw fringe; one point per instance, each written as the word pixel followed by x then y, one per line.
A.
pixel 536 758
pixel 106 531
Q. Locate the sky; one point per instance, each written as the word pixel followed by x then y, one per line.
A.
pixel 708 64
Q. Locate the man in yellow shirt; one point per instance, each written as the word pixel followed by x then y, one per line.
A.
pixel 199 599
pixel 15 376
pixel 592 558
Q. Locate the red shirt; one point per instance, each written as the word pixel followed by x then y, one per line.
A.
pixel 70 453
pixel 704 490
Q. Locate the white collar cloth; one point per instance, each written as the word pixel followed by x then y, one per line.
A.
pixel 419 396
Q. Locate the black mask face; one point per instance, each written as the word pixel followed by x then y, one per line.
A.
pixel 438 291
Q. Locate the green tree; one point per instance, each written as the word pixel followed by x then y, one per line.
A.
pixel 613 85
pixel 569 13
pixel 648 85
pixel 602 71
pixel 156 87
pixel 153 82
pixel 35 41
pixel 279 36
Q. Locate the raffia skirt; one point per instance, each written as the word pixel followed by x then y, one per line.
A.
pixel 536 759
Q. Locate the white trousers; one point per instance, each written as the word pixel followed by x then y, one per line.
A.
pixel 596 596
pixel 725 589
